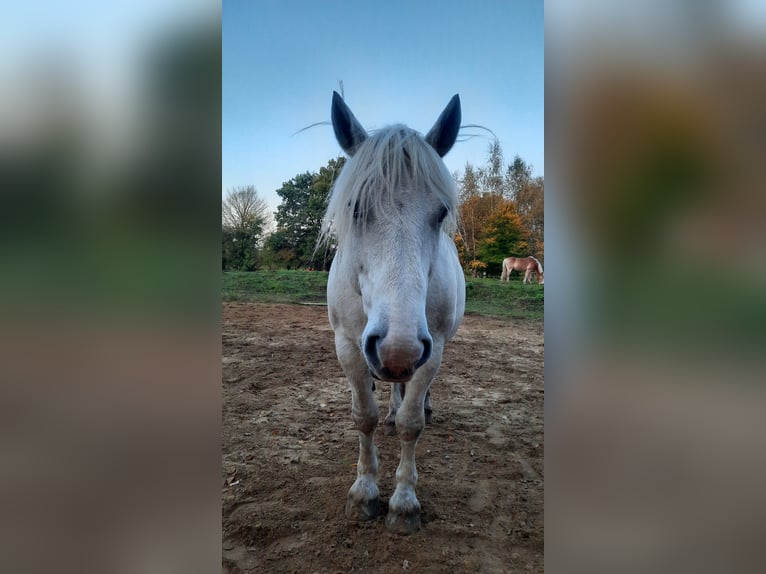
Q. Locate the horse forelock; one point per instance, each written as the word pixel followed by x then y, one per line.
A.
pixel 388 161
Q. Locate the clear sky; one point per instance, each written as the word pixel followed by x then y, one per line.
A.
pixel 399 61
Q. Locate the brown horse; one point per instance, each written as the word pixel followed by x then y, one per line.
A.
pixel 529 265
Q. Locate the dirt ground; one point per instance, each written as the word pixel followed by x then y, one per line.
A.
pixel 290 450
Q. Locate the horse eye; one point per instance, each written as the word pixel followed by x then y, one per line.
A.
pixel 443 213
pixel 363 215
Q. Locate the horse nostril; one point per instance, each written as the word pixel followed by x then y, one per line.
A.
pixel 426 352
pixel 371 349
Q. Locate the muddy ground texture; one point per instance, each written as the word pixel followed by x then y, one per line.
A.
pixel 290 451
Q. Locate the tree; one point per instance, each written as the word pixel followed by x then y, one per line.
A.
pixel 323 256
pixel 493 176
pixel 504 236
pixel 277 252
pixel 517 177
pixel 294 222
pixel 530 202
pixel 499 215
pixel 474 213
pixel 469 185
pixel 244 216
pixel 468 220
pixel 299 216
pixel 243 209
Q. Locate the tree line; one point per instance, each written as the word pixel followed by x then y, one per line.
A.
pixel 501 215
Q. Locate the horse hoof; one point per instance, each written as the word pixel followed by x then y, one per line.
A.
pixel 403 523
pixel 364 511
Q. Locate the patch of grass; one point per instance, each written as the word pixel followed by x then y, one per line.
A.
pixel 495 299
pixel 487 297
pixel 283 286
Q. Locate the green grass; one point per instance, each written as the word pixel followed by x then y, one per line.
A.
pixel 492 298
pixel 283 286
pixel 486 297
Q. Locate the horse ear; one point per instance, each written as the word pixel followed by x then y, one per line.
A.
pixel 348 131
pixel 444 133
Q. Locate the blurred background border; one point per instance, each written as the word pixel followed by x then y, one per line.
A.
pixel 110 351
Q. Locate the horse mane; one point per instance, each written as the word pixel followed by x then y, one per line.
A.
pixel 539 265
pixel 388 160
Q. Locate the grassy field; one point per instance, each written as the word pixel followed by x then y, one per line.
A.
pixel 483 296
pixel 281 286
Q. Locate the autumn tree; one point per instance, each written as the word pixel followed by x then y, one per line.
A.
pixel 470 213
pixel 528 195
pixel 530 202
pixel 504 236
pixel 501 212
pixel 474 213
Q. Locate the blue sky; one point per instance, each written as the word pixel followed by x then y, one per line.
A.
pixel 400 62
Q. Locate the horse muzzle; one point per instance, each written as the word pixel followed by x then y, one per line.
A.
pixel 395 359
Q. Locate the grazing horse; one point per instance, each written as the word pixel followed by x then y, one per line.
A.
pixel 529 265
pixel 396 291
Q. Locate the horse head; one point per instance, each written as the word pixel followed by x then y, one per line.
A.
pixel 391 205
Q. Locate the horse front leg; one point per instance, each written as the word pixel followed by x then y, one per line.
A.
pixel 394 402
pixel 404 507
pixel 363 502
pixel 428 408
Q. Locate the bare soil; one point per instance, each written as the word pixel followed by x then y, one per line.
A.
pixel 290 450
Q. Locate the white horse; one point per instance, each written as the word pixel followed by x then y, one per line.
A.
pixel 396 291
